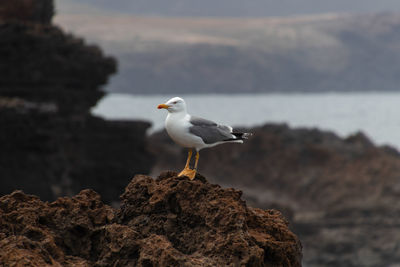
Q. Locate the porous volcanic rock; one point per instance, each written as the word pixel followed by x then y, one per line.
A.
pixel 340 193
pixel 170 221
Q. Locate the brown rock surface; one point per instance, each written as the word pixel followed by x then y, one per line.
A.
pixel 340 193
pixel 171 221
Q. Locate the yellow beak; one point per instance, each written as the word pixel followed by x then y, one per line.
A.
pixel 162 106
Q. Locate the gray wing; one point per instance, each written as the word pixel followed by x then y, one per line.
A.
pixel 210 131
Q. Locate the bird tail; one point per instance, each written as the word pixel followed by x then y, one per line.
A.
pixel 240 136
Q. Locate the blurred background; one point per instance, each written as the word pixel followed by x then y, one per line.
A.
pixel 317 82
pixel 347 50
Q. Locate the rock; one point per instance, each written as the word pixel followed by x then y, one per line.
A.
pixel 171 221
pixel 51 156
pixel 40 63
pixel 34 232
pixel 292 162
pixel 39 11
pixel 338 192
pixel 50 144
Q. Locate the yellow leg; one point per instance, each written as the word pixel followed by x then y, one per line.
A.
pixel 192 173
pixel 188 159
pixel 187 171
pixel 197 160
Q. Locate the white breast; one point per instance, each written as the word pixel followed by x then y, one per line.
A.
pixel 178 129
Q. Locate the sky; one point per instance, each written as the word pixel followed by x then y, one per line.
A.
pixel 230 8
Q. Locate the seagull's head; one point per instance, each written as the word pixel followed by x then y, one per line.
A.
pixel 175 104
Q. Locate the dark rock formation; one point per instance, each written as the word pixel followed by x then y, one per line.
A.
pixel 51 156
pixel 50 144
pixel 40 11
pixel 339 193
pixel 40 63
pixel 171 221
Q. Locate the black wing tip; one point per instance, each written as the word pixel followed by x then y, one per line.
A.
pixel 242 136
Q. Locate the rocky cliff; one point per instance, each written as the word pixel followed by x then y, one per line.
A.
pixel 50 144
pixel 340 193
pixel 51 155
pixel 40 63
pixel 170 221
pixel 27 10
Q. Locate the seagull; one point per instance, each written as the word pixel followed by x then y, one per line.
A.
pixel 195 133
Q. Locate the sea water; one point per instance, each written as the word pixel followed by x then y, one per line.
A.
pixel 375 114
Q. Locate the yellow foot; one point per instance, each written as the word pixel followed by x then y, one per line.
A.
pixel 188 172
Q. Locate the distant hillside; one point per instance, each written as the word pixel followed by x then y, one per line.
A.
pixel 199 55
pixel 236 8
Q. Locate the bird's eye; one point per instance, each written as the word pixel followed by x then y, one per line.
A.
pixel 174 102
